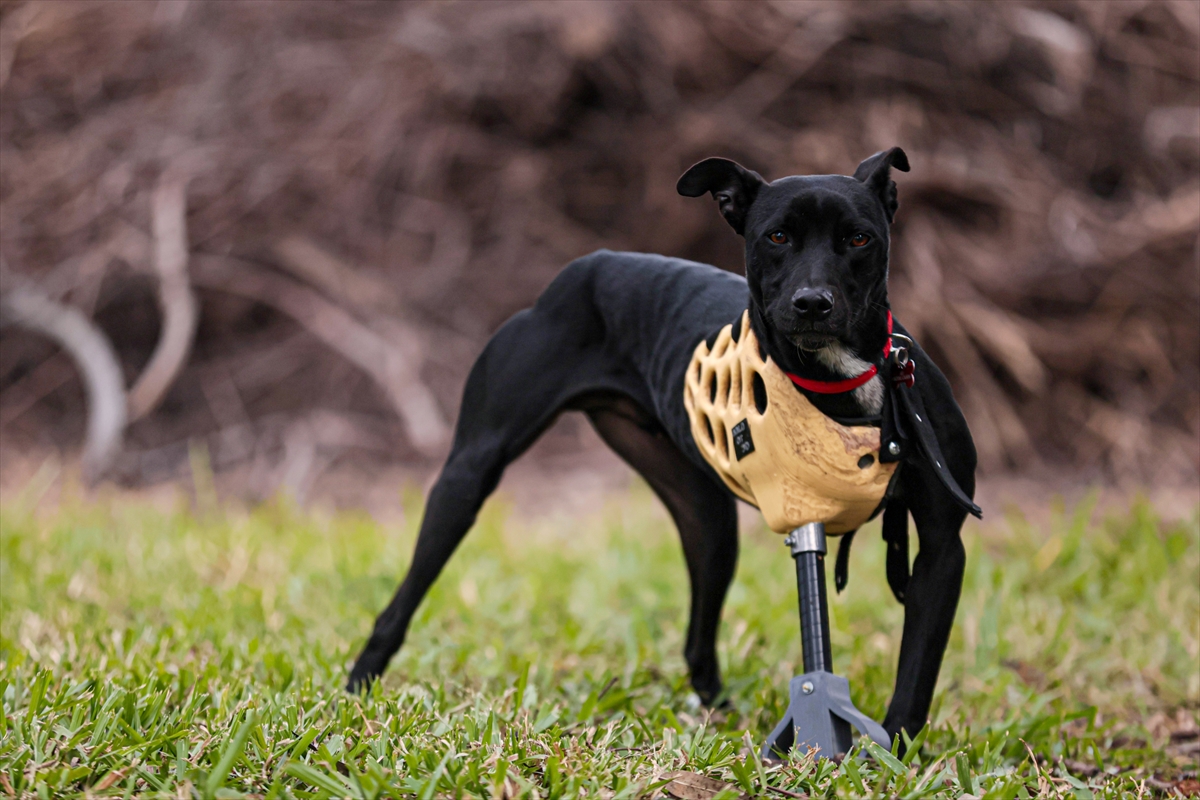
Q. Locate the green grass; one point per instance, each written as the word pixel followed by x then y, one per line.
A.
pixel 202 654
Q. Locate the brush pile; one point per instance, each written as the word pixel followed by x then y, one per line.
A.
pixel 284 230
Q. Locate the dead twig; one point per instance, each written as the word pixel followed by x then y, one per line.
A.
pixel 391 364
pixel 323 270
pixel 169 215
pixel 36 384
pixel 1002 338
pixel 24 306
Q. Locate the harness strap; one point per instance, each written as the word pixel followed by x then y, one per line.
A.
pixel 841 568
pixel 895 535
pixel 906 425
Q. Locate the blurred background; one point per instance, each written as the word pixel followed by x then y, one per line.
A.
pixel 265 240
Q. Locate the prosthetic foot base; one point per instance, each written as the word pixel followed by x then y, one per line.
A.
pixel 819 717
pixel 820 712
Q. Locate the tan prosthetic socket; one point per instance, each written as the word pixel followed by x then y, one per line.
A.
pixel 796 464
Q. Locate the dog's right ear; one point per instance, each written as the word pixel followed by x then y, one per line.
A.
pixel 733 187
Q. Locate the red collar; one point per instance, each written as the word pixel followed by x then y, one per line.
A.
pixel 849 384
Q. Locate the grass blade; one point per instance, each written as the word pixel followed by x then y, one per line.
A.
pixel 233 748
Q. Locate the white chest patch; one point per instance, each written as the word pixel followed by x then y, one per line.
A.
pixel 837 358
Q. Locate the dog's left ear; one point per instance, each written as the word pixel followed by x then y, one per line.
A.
pixel 875 172
pixel 733 187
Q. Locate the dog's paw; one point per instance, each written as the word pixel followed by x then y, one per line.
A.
pixel 713 701
pixel 361 678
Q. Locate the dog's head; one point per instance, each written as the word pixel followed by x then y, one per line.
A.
pixel 816 245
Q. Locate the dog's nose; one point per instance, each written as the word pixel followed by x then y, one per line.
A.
pixel 813 304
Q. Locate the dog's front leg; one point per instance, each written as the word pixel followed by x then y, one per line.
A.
pixel 931 599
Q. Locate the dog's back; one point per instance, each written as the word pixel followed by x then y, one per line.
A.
pixel 635 318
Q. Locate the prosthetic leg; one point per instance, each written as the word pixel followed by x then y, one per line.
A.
pixel 820 712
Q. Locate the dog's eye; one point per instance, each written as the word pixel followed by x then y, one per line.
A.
pixel 859 240
pixel 778 237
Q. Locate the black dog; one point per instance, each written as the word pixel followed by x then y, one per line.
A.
pixel 612 336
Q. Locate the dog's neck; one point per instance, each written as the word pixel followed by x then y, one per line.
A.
pixel 835 362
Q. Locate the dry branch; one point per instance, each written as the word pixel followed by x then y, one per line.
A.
pixel 387 362
pixel 36 384
pixel 316 266
pixel 179 314
pixel 27 308
pixel 1002 338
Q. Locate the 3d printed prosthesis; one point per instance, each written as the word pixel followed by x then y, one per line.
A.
pixel 808 475
pixel 772 447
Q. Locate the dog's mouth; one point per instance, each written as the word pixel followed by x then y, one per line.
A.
pixel 811 340
pixel 806 335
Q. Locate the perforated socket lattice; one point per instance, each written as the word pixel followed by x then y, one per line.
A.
pixel 796 464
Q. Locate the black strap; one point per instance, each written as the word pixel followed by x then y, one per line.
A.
pixel 895 534
pixel 841 568
pixel 906 434
pixel 906 425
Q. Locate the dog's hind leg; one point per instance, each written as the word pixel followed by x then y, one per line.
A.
pixel 704 512
pixel 514 391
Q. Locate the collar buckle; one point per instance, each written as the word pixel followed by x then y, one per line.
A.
pixel 903 365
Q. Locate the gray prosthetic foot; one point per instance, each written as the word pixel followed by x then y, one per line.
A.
pixel 820 712
pixel 819 717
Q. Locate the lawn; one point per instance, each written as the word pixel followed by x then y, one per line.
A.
pixel 200 652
